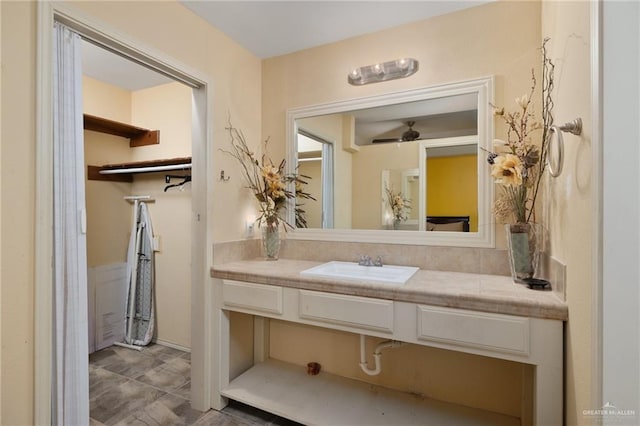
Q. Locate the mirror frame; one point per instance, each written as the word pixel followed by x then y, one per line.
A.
pixel 485 237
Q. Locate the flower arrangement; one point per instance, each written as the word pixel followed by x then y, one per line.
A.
pixel 268 182
pixel 399 205
pixel 519 167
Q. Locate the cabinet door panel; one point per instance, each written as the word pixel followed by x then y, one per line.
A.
pixel 352 311
pixel 502 333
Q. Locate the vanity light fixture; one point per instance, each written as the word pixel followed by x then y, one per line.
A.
pixel 400 68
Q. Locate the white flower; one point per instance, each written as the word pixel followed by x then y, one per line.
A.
pixel 498 142
pixel 523 101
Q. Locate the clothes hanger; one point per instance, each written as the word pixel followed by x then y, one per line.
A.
pixel 167 179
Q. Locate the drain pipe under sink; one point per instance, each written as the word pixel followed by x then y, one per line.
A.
pixel 377 354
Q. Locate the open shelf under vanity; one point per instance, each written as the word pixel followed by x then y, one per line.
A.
pixel 288 391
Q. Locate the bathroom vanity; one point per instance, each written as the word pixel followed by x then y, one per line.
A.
pixel 478 314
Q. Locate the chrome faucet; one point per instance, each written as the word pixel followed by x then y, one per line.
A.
pixel 367 261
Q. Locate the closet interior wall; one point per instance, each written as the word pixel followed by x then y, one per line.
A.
pixel 166 108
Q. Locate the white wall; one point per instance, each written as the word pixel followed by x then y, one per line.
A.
pixel 621 199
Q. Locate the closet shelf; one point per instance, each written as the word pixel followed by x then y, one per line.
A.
pixel 125 171
pixel 137 136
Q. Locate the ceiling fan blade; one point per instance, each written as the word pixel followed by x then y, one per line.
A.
pixel 408 136
pixel 387 140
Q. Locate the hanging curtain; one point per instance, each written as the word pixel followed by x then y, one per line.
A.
pixel 70 365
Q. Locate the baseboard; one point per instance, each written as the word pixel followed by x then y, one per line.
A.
pixel 171 345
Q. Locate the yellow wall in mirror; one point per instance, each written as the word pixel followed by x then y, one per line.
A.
pixel 456 190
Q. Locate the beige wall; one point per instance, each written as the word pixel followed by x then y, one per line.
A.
pixel 313 209
pixel 18 211
pixel 108 215
pixel 168 108
pixel 368 164
pixel 569 197
pixel 1 216
pixel 469 44
pixel 173 30
pixel 106 101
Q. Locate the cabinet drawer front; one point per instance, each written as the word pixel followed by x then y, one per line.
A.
pixel 352 311
pixel 255 297
pixel 495 332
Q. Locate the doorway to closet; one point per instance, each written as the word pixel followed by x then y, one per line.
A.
pixel 120 96
pixel 60 382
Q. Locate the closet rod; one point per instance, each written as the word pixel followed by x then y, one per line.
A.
pixel 146 169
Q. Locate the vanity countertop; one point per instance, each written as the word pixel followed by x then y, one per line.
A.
pixel 487 293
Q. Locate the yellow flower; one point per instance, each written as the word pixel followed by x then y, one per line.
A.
pixel 507 170
pixel 270 173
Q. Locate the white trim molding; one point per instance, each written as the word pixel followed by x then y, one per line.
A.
pixel 597 166
pixel 201 228
pixel 485 237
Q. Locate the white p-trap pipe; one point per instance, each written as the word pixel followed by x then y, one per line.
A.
pixel 377 354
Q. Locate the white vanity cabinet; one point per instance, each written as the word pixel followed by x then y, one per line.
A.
pixel 288 391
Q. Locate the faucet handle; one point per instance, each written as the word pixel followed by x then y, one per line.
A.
pixel 378 261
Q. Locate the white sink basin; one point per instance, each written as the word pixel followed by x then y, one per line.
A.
pixel 387 274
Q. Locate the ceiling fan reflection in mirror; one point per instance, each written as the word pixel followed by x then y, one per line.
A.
pixel 409 135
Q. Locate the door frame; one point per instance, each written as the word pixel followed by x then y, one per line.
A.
pixel 201 225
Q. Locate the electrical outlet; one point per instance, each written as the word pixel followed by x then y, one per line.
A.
pixel 250 229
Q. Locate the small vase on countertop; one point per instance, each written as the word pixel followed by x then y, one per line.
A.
pixel 524 243
pixel 271 241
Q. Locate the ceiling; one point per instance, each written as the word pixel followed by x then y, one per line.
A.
pixel 434 118
pixel 115 70
pixel 271 28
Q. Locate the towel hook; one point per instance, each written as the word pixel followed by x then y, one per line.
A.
pixel 574 127
pixel 222 177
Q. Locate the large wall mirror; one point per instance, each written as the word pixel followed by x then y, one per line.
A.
pixel 404 168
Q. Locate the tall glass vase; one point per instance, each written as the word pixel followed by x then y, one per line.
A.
pixel 271 241
pixel 524 242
